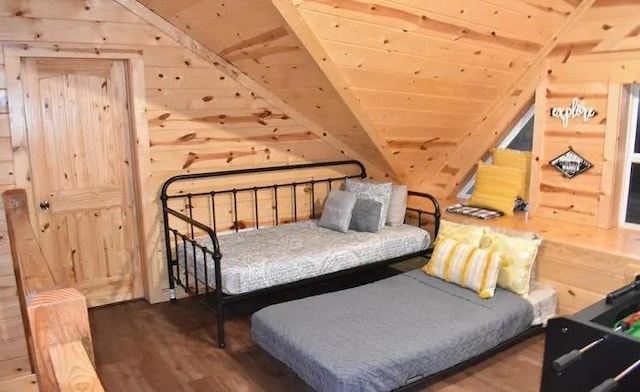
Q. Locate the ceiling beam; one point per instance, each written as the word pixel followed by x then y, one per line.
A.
pixel 445 178
pixel 224 66
pixel 307 39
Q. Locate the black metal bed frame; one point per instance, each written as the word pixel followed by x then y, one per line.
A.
pixel 213 298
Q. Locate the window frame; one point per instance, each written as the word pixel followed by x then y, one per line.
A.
pixel 630 156
pixel 465 191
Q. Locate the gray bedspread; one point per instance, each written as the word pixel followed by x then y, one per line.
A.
pixel 383 335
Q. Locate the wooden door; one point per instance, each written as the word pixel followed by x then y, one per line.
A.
pixel 81 173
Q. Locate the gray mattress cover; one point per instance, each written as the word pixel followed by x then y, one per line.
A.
pixel 380 336
pixel 255 259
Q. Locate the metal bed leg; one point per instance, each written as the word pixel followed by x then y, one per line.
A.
pixel 220 315
pixel 172 282
pixel 169 254
pixel 217 256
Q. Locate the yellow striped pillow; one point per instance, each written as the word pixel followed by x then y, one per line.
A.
pixel 496 188
pixel 465 265
pixel 517 160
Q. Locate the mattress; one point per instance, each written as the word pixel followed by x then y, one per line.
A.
pixel 256 259
pixel 384 335
pixel 543 299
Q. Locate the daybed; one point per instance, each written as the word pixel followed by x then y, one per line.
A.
pixel 395 332
pixel 220 269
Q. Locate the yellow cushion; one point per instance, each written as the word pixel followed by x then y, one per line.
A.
pixel 496 187
pixel 465 265
pixel 518 256
pixel 467 234
pixel 517 160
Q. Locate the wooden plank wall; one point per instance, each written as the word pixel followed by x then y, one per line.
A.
pixel 582 275
pixel 252 36
pixel 14 360
pixel 199 119
pixel 593 61
pixel 555 196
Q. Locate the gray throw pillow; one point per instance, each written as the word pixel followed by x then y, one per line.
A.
pixel 337 211
pixel 397 205
pixel 366 216
pixel 372 191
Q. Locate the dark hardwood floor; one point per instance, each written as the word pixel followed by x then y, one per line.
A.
pixel 170 347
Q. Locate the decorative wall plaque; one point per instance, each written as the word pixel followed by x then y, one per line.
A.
pixel 570 163
pixel 577 109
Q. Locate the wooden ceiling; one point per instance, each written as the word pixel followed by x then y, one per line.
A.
pixel 418 87
pixel 251 35
pixel 425 71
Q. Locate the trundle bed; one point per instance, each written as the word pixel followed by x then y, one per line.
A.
pixel 397 332
pixel 221 268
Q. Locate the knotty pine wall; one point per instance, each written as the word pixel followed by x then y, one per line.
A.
pixel 584 259
pixel 199 119
pixel 588 198
pixel 594 61
pixel 252 35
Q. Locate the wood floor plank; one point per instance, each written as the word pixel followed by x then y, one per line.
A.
pixel 171 347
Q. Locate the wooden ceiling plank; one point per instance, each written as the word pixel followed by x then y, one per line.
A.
pixel 96 10
pixel 413 20
pixel 497 116
pixel 593 30
pixel 482 15
pixel 605 10
pixel 168 6
pixel 383 99
pixel 422 144
pixel 298 28
pixel 543 8
pixel 207 11
pixel 369 95
pixel 415 84
pixel 356 56
pixel 222 35
pixel 222 65
pixel 332 28
pixel 345 56
pixel 410 117
pixel 443 36
pixel 421 114
pixel 418 131
pixel 617 34
pixel 629 43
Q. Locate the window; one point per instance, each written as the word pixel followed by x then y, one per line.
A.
pixel 520 137
pixel 630 203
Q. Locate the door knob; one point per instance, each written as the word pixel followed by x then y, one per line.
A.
pixel 44 205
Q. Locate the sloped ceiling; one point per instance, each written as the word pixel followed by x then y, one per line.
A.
pixel 251 35
pixel 428 72
pixel 423 87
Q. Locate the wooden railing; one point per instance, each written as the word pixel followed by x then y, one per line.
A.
pixel 55 318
